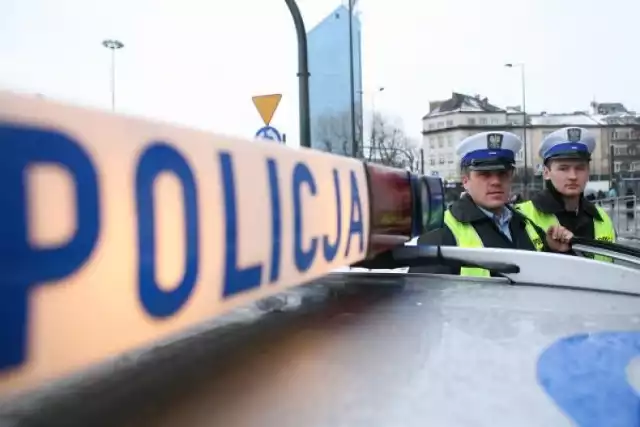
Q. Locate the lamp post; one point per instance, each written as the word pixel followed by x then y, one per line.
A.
pixel 373 99
pixel 113 45
pixel 373 114
pixel 354 143
pixel 525 177
pixel 303 74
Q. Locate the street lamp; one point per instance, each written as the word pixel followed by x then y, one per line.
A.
pixel 373 113
pixel 525 177
pixel 303 74
pixel 373 97
pixel 113 45
pixel 354 145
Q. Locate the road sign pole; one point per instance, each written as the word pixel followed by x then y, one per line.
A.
pixel 303 74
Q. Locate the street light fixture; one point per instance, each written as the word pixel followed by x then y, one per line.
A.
pixel 113 45
pixel 525 177
pixel 373 101
pixel 373 97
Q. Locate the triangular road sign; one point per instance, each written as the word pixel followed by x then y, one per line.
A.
pixel 266 106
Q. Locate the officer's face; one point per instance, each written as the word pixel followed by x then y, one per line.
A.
pixel 489 189
pixel 568 176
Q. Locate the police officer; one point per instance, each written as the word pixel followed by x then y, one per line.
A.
pixel 566 154
pixel 482 218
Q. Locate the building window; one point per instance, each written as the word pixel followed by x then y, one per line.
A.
pixel 617 166
pixel 440 125
pixel 494 121
pixel 432 126
pixel 432 161
pixel 441 160
pixel 432 145
pixel 449 123
pixel 483 121
pixel 440 144
pixel 450 140
pixel 471 121
pixel 621 134
pixel 620 150
pixel 450 159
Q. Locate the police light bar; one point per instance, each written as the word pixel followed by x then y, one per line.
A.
pixel 116 232
pixel 403 205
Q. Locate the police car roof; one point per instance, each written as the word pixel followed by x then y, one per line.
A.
pixel 352 351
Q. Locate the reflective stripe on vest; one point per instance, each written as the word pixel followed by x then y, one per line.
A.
pixel 467 237
pixel 602 230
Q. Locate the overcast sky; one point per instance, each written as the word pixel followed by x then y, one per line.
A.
pixel 199 62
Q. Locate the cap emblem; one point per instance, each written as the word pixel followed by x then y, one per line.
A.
pixel 574 134
pixel 494 141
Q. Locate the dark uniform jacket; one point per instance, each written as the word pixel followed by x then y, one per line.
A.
pixel 465 210
pixel 579 223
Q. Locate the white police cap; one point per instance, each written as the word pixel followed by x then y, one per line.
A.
pixel 569 142
pixel 489 151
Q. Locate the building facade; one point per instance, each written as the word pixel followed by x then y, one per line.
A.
pixel 450 121
pixel 329 82
pixel 616 130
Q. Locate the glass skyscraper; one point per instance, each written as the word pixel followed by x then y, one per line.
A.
pixel 329 83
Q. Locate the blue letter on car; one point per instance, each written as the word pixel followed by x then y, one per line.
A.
pixel 21 264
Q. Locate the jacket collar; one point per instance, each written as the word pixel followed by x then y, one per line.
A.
pixel 465 210
pixel 550 201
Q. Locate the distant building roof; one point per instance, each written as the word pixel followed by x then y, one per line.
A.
pixel 630 118
pixel 563 119
pixel 606 108
pixel 461 103
pixel 583 119
pixel 606 113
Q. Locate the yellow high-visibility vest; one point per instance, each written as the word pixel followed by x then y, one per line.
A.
pixel 467 237
pixel 602 230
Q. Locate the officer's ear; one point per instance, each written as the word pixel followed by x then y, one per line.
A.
pixel 465 174
pixel 546 169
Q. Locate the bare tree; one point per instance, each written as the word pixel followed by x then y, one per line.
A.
pixel 389 145
pixel 333 131
pixel 386 143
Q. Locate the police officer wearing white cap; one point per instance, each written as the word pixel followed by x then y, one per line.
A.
pixel 482 217
pixel 566 154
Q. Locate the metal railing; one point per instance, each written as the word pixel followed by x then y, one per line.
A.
pixel 624 212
